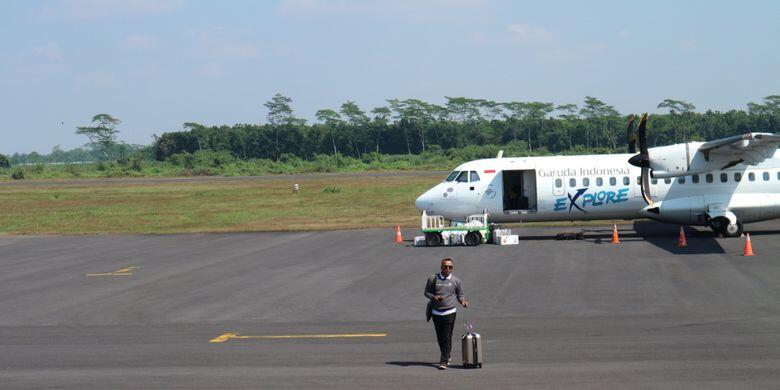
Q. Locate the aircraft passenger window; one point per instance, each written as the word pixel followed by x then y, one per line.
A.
pixel 586 181
pixel 724 177
pixel 695 179
pixel 599 181
pixel 668 180
pixel 558 183
pixel 474 176
pixel 626 180
pixel 778 175
pixel 752 176
pixel 463 177
pixel 452 176
pixel 708 177
pixel 681 180
pixel 737 176
pixel 612 181
pixel 766 176
pixel 572 182
pixel 654 181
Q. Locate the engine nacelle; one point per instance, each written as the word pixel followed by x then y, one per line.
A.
pixel 682 160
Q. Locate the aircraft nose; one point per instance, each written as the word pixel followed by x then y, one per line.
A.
pixel 424 201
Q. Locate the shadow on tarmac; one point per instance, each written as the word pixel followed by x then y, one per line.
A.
pixel 425 364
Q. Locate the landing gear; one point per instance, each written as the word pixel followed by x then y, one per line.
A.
pixel 433 239
pixel 722 225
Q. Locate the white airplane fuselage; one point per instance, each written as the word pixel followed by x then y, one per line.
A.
pixel 590 187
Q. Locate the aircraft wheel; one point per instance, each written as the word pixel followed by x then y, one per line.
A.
pixel 723 226
pixel 433 239
pixel 472 239
pixel 732 229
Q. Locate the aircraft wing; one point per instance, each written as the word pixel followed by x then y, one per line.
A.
pixel 750 148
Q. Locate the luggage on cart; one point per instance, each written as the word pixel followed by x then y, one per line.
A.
pixel 471 345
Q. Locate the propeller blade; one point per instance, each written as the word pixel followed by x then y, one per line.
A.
pixel 631 136
pixel 642 133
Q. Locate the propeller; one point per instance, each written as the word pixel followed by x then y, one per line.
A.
pixel 642 160
pixel 631 136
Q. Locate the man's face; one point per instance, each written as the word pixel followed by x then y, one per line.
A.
pixel 446 268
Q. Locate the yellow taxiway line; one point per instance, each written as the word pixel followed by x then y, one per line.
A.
pixel 120 272
pixel 227 336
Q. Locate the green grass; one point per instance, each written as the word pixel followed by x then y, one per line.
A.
pixel 212 206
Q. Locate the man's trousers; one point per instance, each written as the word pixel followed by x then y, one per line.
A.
pixel 444 326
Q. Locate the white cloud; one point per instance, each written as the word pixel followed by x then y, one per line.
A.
pixel 138 41
pixel 101 9
pixel 413 8
pixel 51 51
pixel 529 35
pixel 624 34
pixel 319 6
pixel 210 70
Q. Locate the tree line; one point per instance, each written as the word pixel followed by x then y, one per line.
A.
pixel 413 127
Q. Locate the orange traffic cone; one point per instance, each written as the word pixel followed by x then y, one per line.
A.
pixel 748 247
pixel 681 243
pixel 615 238
pixel 398 238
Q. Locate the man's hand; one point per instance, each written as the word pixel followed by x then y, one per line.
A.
pixel 437 298
pixel 465 303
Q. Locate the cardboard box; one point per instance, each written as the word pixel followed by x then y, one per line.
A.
pixel 511 239
pixel 502 232
pixel 420 241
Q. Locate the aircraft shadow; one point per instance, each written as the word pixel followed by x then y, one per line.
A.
pixel 662 235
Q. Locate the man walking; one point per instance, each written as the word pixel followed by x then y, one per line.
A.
pixel 444 290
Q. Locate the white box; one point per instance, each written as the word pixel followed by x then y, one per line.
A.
pixel 456 238
pixel 511 239
pixel 502 232
pixel 420 241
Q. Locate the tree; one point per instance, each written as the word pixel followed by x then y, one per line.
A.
pixel 357 121
pixel 102 137
pixel 568 112
pixel 677 106
pixel 538 111
pixel 331 120
pixel 517 112
pixel 380 122
pixel 280 114
pixel 4 161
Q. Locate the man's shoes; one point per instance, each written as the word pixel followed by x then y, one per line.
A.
pixel 442 365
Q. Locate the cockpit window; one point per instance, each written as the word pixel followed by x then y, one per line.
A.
pixel 474 176
pixel 463 177
pixel 452 176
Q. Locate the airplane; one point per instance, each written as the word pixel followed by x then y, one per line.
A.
pixel 721 184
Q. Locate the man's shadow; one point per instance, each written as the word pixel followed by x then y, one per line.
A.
pixel 420 364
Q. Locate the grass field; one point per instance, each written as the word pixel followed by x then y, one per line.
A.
pixel 212 206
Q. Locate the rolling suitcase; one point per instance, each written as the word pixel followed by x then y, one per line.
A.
pixel 471 345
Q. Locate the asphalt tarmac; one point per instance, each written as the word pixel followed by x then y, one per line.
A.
pixel 344 309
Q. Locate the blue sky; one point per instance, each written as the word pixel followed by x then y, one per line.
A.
pixel 156 64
